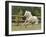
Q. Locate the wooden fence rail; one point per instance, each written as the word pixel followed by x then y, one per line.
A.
pixel 14 18
pixel 23 16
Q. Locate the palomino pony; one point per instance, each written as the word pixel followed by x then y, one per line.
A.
pixel 30 18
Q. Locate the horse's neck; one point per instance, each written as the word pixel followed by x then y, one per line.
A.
pixel 29 16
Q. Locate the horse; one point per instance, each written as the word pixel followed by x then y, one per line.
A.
pixel 30 18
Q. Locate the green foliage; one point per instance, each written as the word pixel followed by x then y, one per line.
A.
pixel 17 19
pixel 20 10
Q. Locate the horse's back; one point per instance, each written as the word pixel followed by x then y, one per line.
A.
pixel 35 17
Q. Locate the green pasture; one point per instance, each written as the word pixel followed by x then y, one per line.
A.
pixel 22 27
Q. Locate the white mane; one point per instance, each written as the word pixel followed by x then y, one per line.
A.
pixel 28 14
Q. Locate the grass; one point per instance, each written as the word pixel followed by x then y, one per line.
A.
pixel 22 27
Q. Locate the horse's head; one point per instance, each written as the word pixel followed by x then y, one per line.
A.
pixel 27 14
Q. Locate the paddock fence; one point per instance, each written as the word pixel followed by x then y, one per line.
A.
pixel 21 19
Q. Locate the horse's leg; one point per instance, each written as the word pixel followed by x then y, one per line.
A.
pixel 36 22
pixel 28 22
pixel 25 22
